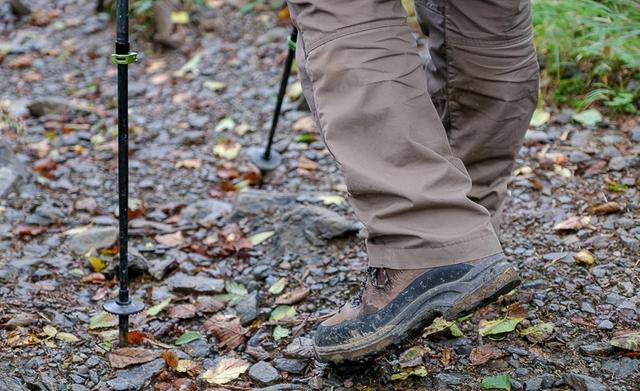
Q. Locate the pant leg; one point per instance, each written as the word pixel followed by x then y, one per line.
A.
pixel 483 78
pixel 365 80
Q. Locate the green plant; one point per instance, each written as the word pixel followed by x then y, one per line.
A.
pixel 589 52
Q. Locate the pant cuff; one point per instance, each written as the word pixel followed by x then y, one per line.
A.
pixel 470 249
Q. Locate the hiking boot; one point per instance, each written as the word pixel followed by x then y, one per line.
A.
pixel 395 302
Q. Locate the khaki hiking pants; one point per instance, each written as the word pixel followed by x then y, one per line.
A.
pixel 426 150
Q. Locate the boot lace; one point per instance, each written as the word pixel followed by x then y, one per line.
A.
pixel 373 275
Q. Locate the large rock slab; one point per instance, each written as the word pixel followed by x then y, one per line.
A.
pixel 84 240
pixel 206 213
pixel 197 283
pixel 137 377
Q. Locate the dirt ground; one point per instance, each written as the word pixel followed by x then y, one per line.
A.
pixel 237 268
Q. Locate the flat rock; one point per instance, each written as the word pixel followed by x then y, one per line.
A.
pixel 583 382
pixel 247 308
pixel 11 383
pixel 12 171
pixel 301 347
pixel 260 202
pixel 622 367
pixel 263 372
pixel 310 224
pixel 444 380
pixel 92 238
pixel 135 378
pixel 290 365
pixel 597 349
pixel 56 105
pixel 197 283
pixel 206 213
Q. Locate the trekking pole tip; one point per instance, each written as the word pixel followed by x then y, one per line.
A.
pixel 257 157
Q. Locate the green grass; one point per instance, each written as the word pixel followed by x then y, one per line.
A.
pixel 589 52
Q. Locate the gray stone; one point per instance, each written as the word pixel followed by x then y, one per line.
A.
pixel 317 224
pixel 540 382
pixel 263 372
pixel 206 213
pixel 578 157
pixel 597 349
pixel 247 308
pixel 605 325
pixel 198 348
pixel 56 105
pixel 92 238
pixel 197 283
pixel 198 121
pixel 443 380
pixel 193 137
pixel 635 134
pixel 12 171
pixel 611 139
pixel 259 202
pixel 301 347
pixel 290 365
pixel 78 387
pixel 10 383
pixel 620 163
pixel 537 135
pixel 622 368
pixel 583 382
pixel 137 377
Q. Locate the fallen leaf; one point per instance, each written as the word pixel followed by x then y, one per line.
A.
pixel 419 371
pixel 305 125
pixel 49 331
pixel 156 309
pixel 440 324
pixel 215 85
pixel 260 237
pixel 179 17
pixel 227 149
pixel 21 336
pixel 573 223
pixel 125 357
pixel 584 258
pixel 171 358
pixel 539 118
pixel 280 332
pixel 588 117
pixel 630 341
pixel 411 357
pixel 278 286
pixel 282 312
pixel 20 62
pixel 94 278
pixel 293 297
pixel 189 163
pixel 102 320
pixel 96 264
pixel 227 123
pixel 445 357
pixel 607 208
pixel 484 353
pixel 29 230
pixel 188 336
pixel 498 326
pixel 187 366
pixel 538 333
pixel 182 311
pixel 226 370
pixel 190 65
pixel 227 329
pixel 67 337
pixel 294 91
pixel 497 382
pixel 307 164
pixel 136 337
pixel 175 239
pixel 235 292
pixel 207 304
pixel 331 199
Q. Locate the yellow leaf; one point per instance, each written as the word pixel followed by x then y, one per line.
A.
pixel 227 369
pixel 96 264
pixel 50 331
pixel 227 150
pixel 179 17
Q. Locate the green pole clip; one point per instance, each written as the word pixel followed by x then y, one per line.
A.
pixel 291 43
pixel 124 59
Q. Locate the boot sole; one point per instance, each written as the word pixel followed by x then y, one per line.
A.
pixel 480 286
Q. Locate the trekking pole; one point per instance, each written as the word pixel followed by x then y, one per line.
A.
pixel 123 306
pixel 268 159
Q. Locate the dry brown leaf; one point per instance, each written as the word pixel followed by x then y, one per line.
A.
pixel 182 311
pixel 573 223
pixel 189 163
pixel 445 358
pixel 20 62
pixel 175 239
pixel 227 329
pixel 607 208
pixel 171 358
pixel 207 304
pixel 294 296
pixel 484 353
pixel 94 278
pixel 305 125
pixel 307 164
pixel 584 258
pixel 136 337
pixel 124 357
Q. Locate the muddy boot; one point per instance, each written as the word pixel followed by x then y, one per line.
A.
pixel 395 302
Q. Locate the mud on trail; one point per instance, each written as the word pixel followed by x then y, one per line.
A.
pixel 236 268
